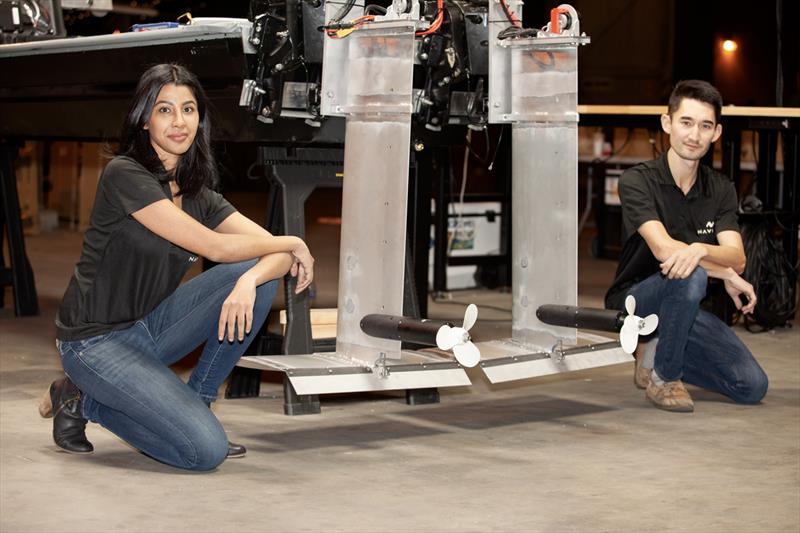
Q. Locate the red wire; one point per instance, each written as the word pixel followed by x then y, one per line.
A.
pixel 511 17
pixel 436 23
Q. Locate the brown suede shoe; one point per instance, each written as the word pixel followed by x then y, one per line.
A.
pixel 641 375
pixel 671 396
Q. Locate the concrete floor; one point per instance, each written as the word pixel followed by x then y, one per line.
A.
pixel 576 452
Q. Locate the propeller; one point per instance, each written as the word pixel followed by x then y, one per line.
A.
pixel 633 326
pixel 458 339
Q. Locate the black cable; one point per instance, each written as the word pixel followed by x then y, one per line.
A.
pixel 497 148
pixel 482 306
pixel 514 32
pixel 376 8
pixel 343 12
pixel 779 54
pixel 484 159
pixel 773 277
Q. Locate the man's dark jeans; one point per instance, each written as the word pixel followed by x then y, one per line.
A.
pixel 694 345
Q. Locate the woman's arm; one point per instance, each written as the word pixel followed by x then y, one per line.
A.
pixel 237 309
pixel 267 267
pixel 166 220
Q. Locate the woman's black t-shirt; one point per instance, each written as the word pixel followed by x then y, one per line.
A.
pixel 126 270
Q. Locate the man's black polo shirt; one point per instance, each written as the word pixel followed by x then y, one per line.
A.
pixel 648 192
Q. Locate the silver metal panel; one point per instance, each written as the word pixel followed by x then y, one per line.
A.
pixel 295 95
pixel 334 64
pixel 500 62
pixel 95 5
pixel 544 82
pixel 544 228
pixel 369 382
pixel 326 373
pixel 372 251
pixel 508 360
pixel 375 188
pixel 380 68
pixel 239 29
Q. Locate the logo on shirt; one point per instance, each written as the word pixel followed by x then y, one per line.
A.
pixel 708 230
pixel 192 258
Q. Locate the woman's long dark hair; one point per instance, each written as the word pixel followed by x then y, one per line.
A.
pixel 197 166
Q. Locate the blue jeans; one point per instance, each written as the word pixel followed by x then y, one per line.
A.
pixel 129 389
pixel 694 345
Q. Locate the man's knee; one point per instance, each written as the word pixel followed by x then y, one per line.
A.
pixel 753 389
pixel 692 288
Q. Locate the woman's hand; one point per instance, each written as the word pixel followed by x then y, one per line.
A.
pixel 237 309
pixel 303 266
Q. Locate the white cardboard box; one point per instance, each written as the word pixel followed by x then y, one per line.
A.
pixel 475 232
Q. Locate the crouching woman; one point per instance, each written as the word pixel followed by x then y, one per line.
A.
pixel 125 317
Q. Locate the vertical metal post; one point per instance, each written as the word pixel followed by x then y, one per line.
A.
pixel 380 60
pixel 533 84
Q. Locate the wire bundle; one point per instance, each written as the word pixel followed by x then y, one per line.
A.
pixel 773 277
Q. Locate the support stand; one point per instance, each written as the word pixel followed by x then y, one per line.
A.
pixel 20 275
pixel 422 396
pixel 296 404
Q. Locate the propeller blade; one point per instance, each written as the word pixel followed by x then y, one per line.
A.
pixel 470 316
pixel 629 334
pixel 649 324
pixel 467 354
pixel 448 337
pixel 630 304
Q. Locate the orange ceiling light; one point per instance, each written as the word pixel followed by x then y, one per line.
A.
pixel 730 46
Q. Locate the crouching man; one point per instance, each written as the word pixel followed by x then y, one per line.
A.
pixel 680 228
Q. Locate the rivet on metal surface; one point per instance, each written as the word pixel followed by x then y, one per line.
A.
pixel 524 262
pixel 558 351
pixel 380 366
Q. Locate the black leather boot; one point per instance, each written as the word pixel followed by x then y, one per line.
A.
pixel 69 426
pixel 235 451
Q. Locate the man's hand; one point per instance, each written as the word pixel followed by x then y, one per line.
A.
pixel 303 267
pixel 735 286
pixel 681 263
pixel 237 310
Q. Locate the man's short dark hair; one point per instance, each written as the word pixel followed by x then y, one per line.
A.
pixel 696 90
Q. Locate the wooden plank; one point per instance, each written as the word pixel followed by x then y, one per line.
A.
pixel 27 170
pixel 732 111
pixel 92 163
pixel 63 178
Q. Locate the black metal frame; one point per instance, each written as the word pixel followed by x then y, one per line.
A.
pixel 20 274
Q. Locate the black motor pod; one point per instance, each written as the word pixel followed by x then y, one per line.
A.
pixel 402 328
pixel 581 317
